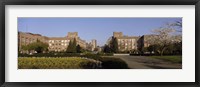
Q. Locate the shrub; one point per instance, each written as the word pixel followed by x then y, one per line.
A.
pixel 113 63
pixel 91 56
pixel 105 54
pixel 56 63
pixel 51 55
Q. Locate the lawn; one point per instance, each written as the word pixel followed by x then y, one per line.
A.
pixel 56 63
pixel 173 59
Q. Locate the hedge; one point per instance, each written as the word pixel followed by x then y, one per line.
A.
pixel 113 63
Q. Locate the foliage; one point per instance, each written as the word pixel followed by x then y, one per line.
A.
pixel 107 62
pixel 106 49
pixel 55 63
pixel 72 46
pixel 74 50
pixel 113 63
pixel 78 49
pixel 37 46
pixel 51 55
pixel 177 24
pixel 114 45
pixel 69 48
pixel 105 54
pixel 163 40
pixel 96 49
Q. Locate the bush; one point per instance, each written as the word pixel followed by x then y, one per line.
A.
pixel 91 56
pixel 65 55
pixel 51 55
pixel 56 63
pixel 113 63
pixel 43 61
pixel 105 54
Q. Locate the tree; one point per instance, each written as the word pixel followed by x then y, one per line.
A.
pixel 114 45
pixel 37 46
pixel 163 38
pixel 72 46
pixel 166 39
pixel 69 48
pixel 151 48
pixel 177 24
pixel 96 49
pixel 78 49
pixel 106 49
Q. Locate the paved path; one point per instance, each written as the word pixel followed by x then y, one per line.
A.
pixel 142 62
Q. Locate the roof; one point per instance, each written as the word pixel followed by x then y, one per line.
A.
pixel 58 38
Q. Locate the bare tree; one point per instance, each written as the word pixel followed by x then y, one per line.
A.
pixel 177 23
pixel 162 38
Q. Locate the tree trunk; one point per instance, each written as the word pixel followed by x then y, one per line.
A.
pixel 161 53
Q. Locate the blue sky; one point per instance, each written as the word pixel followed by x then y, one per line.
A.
pixel 91 28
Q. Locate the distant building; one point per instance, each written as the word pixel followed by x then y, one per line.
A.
pixel 125 43
pixel 72 35
pixel 117 34
pixel 91 46
pixel 59 44
pixel 145 41
pixel 56 44
pixel 28 38
pixel 81 42
pixel 94 44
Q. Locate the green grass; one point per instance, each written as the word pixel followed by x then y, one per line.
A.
pixel 173 59
pixel 55 63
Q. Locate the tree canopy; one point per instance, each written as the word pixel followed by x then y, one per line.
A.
pixel 114 45
pixel 37 46
pixel 72 48
pixel 165 41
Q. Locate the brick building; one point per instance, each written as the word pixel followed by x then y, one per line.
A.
pixel 126 43
pixel 57 44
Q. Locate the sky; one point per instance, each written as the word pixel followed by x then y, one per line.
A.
pixel 92 28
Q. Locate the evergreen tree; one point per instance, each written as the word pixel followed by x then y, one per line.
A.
pixel 114 45
pixel 74 46
pixel 78 49
pixel 106 49
pixel 69 48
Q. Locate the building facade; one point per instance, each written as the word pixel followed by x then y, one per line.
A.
pixel 145 41
pixel 94 44
pixel 74 35
pixel 125 43
pixel 28 38
pixel 57 44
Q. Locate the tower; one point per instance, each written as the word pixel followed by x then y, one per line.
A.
pixel 117 34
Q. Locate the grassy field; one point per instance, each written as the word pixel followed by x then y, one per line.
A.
pixel 173 59
pixel 55 63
